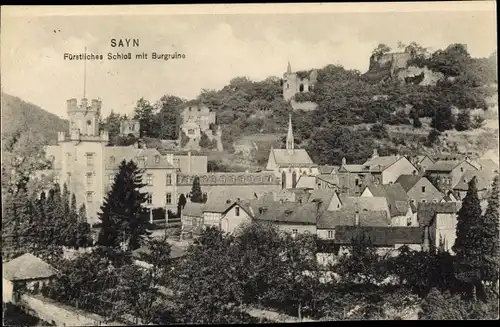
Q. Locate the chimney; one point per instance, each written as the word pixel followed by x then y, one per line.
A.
pixel 375 153
pixel 189 162
pixel 343 161
pixel 356 223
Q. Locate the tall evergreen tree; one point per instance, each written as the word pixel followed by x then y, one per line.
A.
pixel 122 215
pixel 443 118
pixel 82 214
pixel 491 236
pixel 469 237
pixel 463 121
pixel 196 195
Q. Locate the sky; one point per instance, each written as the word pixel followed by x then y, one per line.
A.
pixel 219 43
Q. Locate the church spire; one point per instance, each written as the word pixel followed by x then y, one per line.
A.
pixel 289 138
pixel 289 68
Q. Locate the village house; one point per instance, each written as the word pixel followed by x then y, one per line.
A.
pixel 290 217
pixel 329 201
pixel 419 189
pixel 291 195
pixel 327 182
pixel 423 162
pixel 237 214
pixel 25 272
pixel 353 179
pixel 290 163
pixel 484 182
pixel 445 174
pixel 449 197
pixel 439 221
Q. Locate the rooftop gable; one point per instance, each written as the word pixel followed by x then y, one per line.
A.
pixel 27 267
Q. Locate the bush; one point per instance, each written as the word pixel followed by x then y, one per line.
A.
pixel 184 139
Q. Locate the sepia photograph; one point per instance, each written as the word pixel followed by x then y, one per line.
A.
pixel 249 163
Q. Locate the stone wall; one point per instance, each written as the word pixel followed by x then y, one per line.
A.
pixel 306 105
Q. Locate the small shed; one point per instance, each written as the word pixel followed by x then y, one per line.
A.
pixel 27 271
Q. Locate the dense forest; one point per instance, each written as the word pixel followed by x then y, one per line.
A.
pixel 345 98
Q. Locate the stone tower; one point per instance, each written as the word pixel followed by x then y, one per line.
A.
pixel 293 84
pixel 290 144
pixel 83 119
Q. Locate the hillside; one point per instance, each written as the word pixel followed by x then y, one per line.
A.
pixel 21 116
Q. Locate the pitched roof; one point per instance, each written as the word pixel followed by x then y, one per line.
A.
pixel 323 196
pixel 233 178
pixel 27 267
pixel 365 203
pixel 297 157
pixel 289 212
pixel 444 165
pixel 488 164
pixel 114 155
pixel 381 163
pixel 396 196
pixel 408 181
pixel 355 168
pixel 332 179
pixel 306 182
pixel 380 236
pixel 327 169
pixel 421 158
pixel 427 210
pixel 483 179
pixel 193 209
pixel 347 217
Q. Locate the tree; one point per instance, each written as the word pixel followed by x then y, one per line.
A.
pixel 443 118
pixel 144 113
pixel 379 131
pixel 123 218
pixel 182 201
pixel 196 195
pixel 469 237
pixel 463 121
pixel 490 243
pixel 433 137
pixel 204 141
pixel 168 116
pixel 416 122
pixel 381 49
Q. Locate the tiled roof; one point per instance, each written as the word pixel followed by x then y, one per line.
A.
pixel 114 155
pixel 483 179
pixel 396 196
pixel 426 211
pixel 327 169
pixel 356 168
pixel 375 203
pixel 444 165
pixel 306 182
pixel 323 196
pixel 332 179
pixel 193 209
pixel 27 267
pixel 347 217
pixel 380 236
pixel 219 200
pixel 421 158
pixel 380 163
pixel 297 157
pixel 262 178
pixel 408 181
pixel 289 212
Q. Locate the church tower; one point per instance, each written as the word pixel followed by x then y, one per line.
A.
pixel 290 145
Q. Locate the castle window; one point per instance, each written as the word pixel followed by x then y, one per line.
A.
pixel 111 179
pixel 168 198
pixel 168 178
pixel 241 179
pixel 301 88
pixel 89 178
pixel 90 197
pixel 150 180
pixel 90 159
pixel 149 198
pixel 212 180
pixel 112 159
pixel 157 159
pixel 223 179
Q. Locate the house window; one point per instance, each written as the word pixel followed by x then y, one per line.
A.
pixel 423 200
pixel 90 159
pixel 157 159
pixel 423 189
pixel 150 180
pixel 89 178
pixel 89 197
pixel 141 160
pixel 168 198
pixel 330 234
pixel 168 179
pixel 294 232
pixel 237 211
pixel 408 221
pixel 462 169
pixel 111 179
pixel 356 182
pixel 149 198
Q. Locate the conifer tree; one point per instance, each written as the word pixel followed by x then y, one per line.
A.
pixel 491 236
pixel 196 195
pixel 469 236
pixel 463 121
pixel 122 215
pixel 82 214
